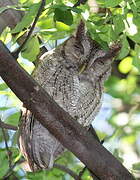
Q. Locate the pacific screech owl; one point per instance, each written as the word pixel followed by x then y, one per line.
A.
pixel 73 74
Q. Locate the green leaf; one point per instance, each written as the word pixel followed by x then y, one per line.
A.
pixel 3 86
pixel 64 16
pixel 107 33
pixel 136 20
pixel 3 163
pixel 118 24
pixel 32 49
pixel 13 119
pixel 17 36
pixel 6 35
pixel 49 1
pixel 136 166
pixel 116 154
pixel 2 9
pixel 46 23
pixel 125 65
pixel 95 36
pixel 55 35
pixel 62 27
pixel 112 3
pixel 77 10
pixel 135 37
pixel 136 60
pixel 63 7
pixel 125 48
pixel 27 19
pixel 3 108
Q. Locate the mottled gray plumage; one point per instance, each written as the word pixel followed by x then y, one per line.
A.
pixel 74 76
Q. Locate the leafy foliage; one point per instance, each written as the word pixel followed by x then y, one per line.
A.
pixel 118 20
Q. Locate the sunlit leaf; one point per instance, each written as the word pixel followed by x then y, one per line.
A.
pixel 112 3
pixel 6 35
pixel 136 59
pixel 27 19
pixel 62 27
pixel 118 24
pixel 4 165
pixel 135 37
pixel 136 20
pixel 3 86
pixel 46 23
pixel 32 49
pixel 125 65
pixel 13 119
pixel 125 48
pixel 4 108
pixel 136 166
pixel 116 154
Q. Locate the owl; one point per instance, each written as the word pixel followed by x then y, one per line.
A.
pixel 73 74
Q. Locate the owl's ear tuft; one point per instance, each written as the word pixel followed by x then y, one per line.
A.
pixel 80 33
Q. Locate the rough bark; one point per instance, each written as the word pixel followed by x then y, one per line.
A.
pixel 9 17
pixel 58 122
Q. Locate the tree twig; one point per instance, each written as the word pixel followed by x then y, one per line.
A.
pixel 16 53
pixel 67 170
pixel 9 153
pixel 10 170
pixel 8 126
pixel 81 173
pixel 79 2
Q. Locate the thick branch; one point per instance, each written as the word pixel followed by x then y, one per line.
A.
pixel 69 132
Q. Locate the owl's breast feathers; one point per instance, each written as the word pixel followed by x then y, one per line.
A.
pixel 78 94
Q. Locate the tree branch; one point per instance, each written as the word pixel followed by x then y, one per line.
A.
pixel 79 2
pixel 16 53
pixel 8 126
pixel 9 153
pixel 67 170
pixel 81 173
pixel 59 123
pixel 10 170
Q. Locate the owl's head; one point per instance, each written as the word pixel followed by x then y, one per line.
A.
pixel 84 51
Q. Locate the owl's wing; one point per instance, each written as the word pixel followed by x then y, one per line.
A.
pixel 38 146
pixel 65 88
pixel 89 101
pixel 60 80
pixel 45 147
pixel 25 139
